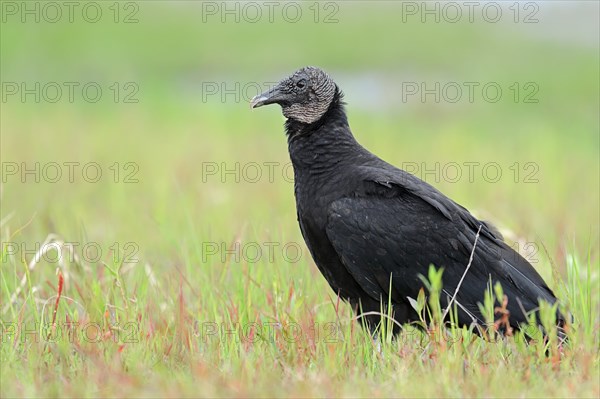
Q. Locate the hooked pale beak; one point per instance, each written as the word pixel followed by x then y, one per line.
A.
pixel 258 101
pixel 271 96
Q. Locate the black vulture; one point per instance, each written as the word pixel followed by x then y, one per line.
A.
pixel 373 230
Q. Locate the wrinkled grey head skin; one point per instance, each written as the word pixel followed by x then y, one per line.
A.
pixel 305 96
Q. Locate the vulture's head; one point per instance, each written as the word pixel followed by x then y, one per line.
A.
pixel 305 96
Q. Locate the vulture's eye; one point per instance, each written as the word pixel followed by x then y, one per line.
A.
pixel 301 84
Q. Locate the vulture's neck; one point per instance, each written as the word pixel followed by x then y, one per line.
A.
pixel 317 147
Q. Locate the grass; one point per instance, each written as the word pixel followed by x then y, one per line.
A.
pixel 168 269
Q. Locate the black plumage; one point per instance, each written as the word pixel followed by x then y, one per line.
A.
pixel 367 222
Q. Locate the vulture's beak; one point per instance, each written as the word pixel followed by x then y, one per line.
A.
pixel 258 101
pixel 270 96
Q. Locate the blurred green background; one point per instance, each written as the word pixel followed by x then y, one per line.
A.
pixel 193 66
pixel 188 170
